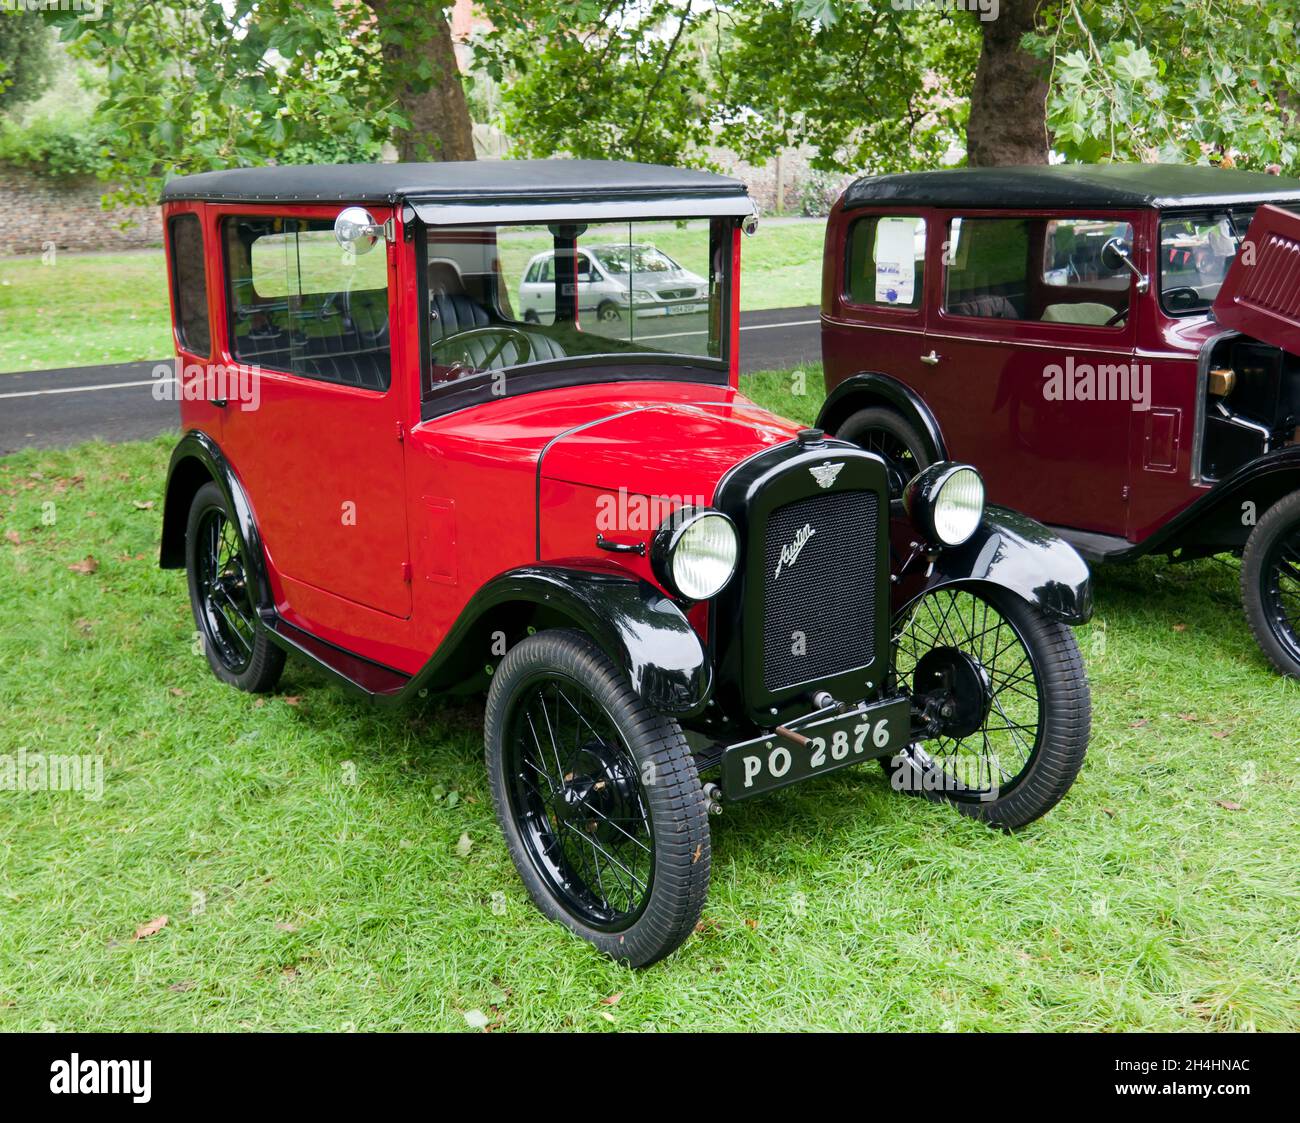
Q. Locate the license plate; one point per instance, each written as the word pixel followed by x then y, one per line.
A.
pixel 682 309
pixel 767 763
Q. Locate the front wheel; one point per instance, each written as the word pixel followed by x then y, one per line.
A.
pixel 1003 695
pixel 608 311
pixel 598 798
pixel 1270 584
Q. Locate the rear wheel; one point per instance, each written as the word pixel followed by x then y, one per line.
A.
pixel 885 433
pixel 221 596
pixel 598 798
pixel 1270 584
pixel 1005 697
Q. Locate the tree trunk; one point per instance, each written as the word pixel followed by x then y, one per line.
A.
pixel 420 63
pixel 1008 103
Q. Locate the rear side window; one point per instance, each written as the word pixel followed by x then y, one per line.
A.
pixel 301 304
pixel 988 268
pixel 886 261
pixel 189 285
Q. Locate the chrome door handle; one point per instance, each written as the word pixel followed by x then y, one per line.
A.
pixel 930 360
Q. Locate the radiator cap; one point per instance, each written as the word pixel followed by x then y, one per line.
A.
pixel 807 438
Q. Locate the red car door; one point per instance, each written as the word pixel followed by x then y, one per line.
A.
pixel 320 449
pixel 1028 379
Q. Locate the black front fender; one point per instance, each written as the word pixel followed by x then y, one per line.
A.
pixel 871 388
pixel 1011 551
pixel 638 627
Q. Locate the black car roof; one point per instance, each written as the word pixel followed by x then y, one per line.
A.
pixel 459 181
pixel 1087 186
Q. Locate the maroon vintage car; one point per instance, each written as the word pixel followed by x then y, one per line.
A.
pixel 1092 339
pixel 672 598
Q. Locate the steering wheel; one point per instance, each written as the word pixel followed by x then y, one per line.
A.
pixel 502 335
pixel 1182 297
pixel 1118 318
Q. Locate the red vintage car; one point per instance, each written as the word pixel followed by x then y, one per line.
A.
pixel 673 598
pixel 1090 337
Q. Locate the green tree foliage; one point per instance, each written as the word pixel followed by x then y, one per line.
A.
pixel 24 57
pixel 1180 81
pixel 663 80
pixel 190 87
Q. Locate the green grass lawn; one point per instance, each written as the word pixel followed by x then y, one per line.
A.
pixel 87 309
pixel 324 864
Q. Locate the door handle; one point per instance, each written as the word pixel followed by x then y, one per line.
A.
pixel 930 360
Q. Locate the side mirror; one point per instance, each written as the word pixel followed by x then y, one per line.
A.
pixel 1116 255
pixel 356 230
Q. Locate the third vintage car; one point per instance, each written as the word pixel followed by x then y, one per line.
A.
pixel 1092 339
pixel 674 599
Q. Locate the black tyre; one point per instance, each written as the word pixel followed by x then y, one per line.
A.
pixel 1006 694
pixel 608 311
pixel 221 597
pixel 598 798
pixel 1270 584
pixel 885 433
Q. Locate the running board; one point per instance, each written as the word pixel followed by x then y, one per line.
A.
pixel 1097 547
pixel 372 679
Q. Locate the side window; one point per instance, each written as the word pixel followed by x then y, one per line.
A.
pixel 1045 269
pixel 886 261
pixel 300 304
pixel 189 285
pixel 988 268
pixel 1072 254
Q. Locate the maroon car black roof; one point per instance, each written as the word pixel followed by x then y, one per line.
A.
pixel 458 181
pixel 1087 186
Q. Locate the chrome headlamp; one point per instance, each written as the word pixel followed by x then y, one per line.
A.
pixel 694 552
pixel 946 501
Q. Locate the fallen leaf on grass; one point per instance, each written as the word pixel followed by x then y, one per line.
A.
pixel 1107 811
pixel 1220 733
pixel 464 845
pixel 613 999
pixel 151 928
pixel 1228 805
pixel 13 538
pixel 1139 724
pixel 182 987
pixel 292 699
pixel 708 924
pixel 752 924
pixel 143 505
pixel 177 691
pixel 84 626
pixel 1180 627
pixel 87 565
pixel 285 926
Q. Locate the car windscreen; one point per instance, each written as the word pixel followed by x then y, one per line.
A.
pixel 1195 252
pixel 537 298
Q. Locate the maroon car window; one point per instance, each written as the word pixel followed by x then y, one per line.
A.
pixel 1045 269
pixel 300 304
pixel 886 261
pixel 189 285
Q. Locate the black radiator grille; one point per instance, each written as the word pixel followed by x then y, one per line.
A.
pixel 820 609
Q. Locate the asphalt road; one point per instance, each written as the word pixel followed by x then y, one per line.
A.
pixel 53 408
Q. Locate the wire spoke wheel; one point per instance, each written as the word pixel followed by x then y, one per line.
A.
pixel 900 463
pixel 227 619
pixel 975 670
pixel 1281 591
pixel 578 797
pixel 1000 700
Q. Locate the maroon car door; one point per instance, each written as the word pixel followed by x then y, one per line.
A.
pixel 1030 364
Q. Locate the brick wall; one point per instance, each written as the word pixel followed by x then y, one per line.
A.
pixel 35 211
